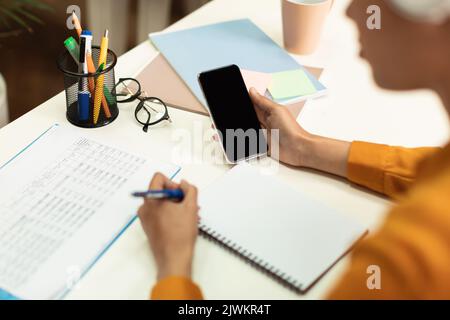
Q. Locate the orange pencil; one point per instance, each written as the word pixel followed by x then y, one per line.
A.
pixel 76 23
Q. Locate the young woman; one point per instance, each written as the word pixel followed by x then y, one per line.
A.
pixel 412 248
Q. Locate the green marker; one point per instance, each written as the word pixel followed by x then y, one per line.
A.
pixel 100 68
pixel 106 92
pixel 73 48
pixel 108 96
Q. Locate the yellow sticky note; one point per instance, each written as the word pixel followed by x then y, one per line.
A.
pixel 291 84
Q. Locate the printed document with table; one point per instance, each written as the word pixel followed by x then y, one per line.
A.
pixel 64 200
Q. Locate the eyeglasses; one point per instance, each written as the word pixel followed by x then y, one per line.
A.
pixel 149 111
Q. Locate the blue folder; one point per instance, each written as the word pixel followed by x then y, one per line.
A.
pixel 239 42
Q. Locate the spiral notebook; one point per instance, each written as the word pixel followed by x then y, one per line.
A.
pixel 283 232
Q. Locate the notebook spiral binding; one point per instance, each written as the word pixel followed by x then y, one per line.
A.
pixel 254 260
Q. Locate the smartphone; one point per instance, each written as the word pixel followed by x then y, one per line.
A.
pixel 233 114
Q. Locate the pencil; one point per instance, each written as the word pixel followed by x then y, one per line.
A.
pixel 101 78
pixel 76 23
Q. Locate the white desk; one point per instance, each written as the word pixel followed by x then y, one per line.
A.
pixel 355 109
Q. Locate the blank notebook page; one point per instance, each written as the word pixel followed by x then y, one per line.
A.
pixel 295 238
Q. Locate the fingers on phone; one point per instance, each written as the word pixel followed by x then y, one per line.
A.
pixel 262 102
pixel 260 106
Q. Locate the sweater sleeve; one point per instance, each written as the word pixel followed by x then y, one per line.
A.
pixel 408 257
pixel 385 169
pixel 176 288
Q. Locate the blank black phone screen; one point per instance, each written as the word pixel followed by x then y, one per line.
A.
pixel 233 113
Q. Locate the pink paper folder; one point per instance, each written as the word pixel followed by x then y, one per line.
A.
pixel 258 80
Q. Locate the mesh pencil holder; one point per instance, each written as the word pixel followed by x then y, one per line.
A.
pixel 82 92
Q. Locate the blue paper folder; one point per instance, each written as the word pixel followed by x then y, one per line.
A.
pixel 239 42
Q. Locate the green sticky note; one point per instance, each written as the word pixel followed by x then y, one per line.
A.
pixel 108 96
pixel 291 84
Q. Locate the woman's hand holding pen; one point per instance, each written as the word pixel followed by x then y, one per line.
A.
pixel 171 227
pixel 297 147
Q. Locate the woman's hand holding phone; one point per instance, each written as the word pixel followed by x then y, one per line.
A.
pixel 297 147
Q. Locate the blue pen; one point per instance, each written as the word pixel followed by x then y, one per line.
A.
pixel 175 194
pixel 83 92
